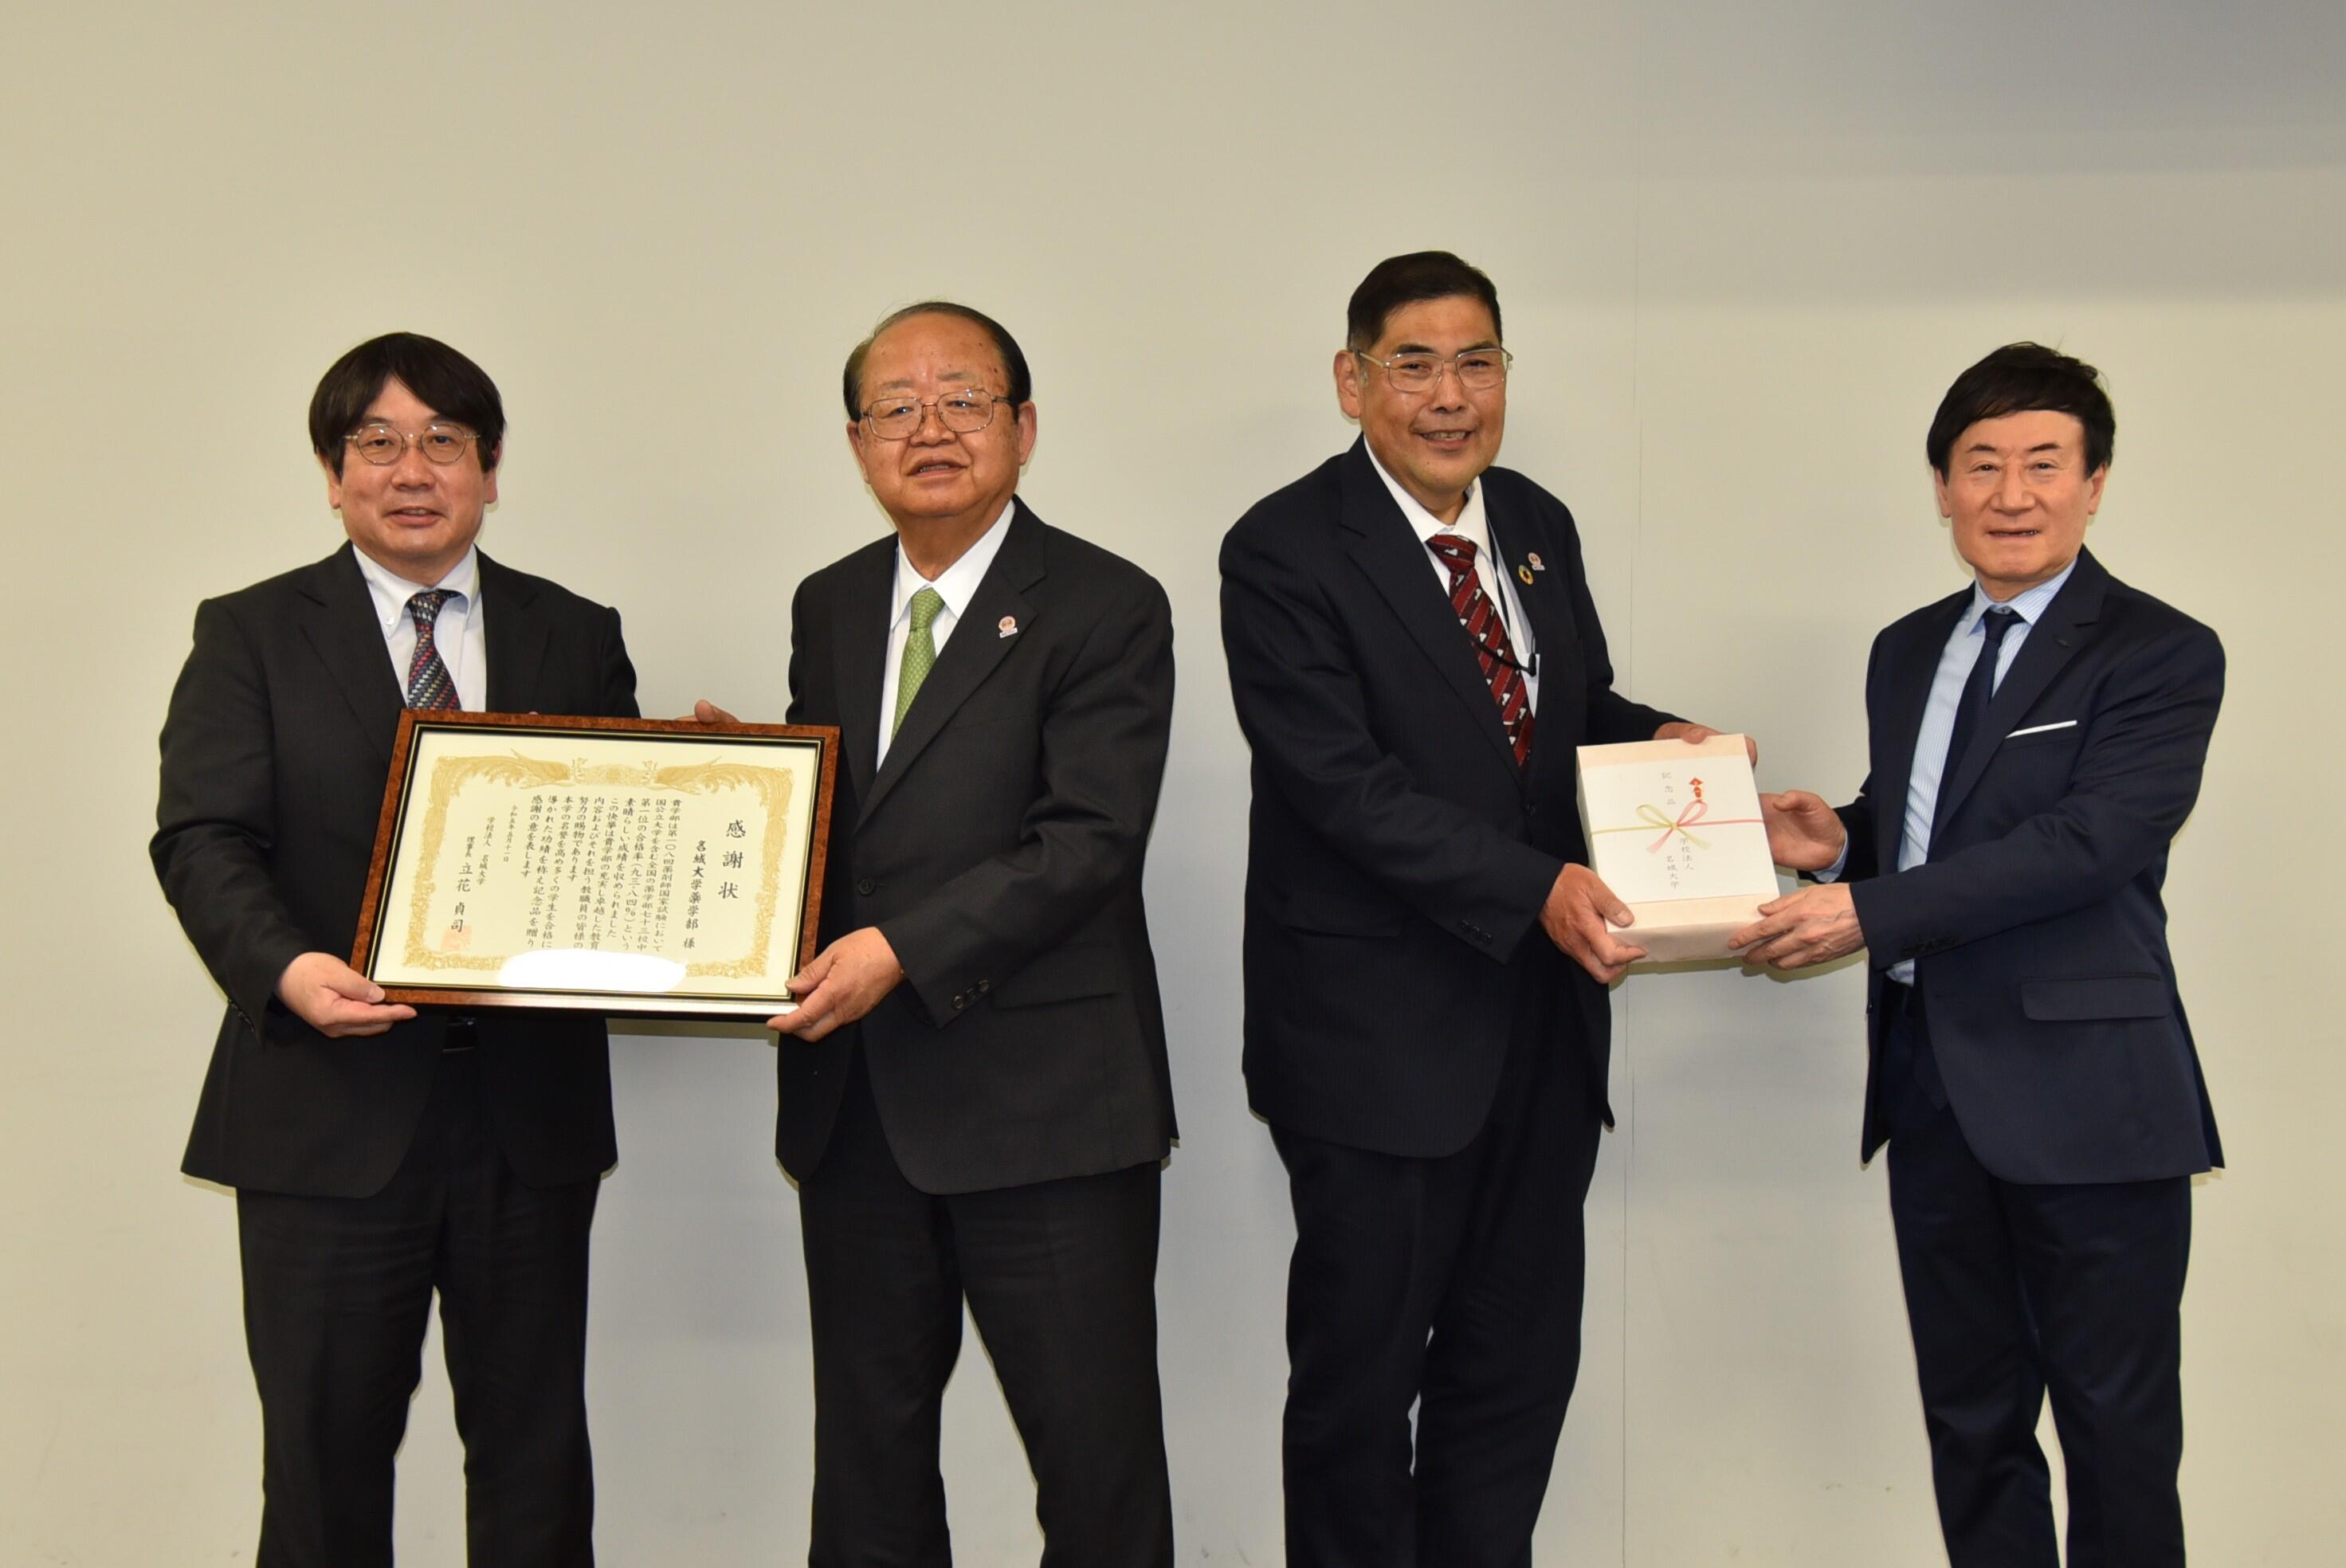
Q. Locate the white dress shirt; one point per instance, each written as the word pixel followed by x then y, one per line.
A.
pixel 954 585
pixel 457 633
pixel 1954 672
pixel 1490 571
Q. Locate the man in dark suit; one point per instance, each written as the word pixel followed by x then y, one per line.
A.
pixel 974 1094
pixel 2036 741
pixel 379 1153
pixel 1414 654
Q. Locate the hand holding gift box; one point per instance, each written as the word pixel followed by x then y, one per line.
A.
pixel 1674 830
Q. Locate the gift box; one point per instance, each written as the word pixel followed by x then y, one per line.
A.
pixel 1675 830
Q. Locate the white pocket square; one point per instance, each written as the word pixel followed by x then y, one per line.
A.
pixel 2041 728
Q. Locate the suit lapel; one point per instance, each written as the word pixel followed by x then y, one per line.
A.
pixel 1398 564
pixel 513 633
pixel 859 643
pixel 2052 642
pixel 337 620
pixel 970 654
pixel 1910 674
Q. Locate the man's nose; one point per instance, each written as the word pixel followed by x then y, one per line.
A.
pixel 1449 388
pixel 413 468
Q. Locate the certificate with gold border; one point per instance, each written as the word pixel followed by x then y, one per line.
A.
pixel 639 865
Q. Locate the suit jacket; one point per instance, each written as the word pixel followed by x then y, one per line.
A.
pixel 275 754
pixel 2037 932
pixel 999 850
pixel 1397 856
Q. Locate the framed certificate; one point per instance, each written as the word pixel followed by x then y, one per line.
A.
pixel 648 866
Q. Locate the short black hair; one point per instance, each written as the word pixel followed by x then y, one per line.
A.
pixel 2016 379
pixel 1399 280
pixel 1014 359
pixel 445 381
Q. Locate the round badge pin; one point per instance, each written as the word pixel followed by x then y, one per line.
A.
pixel 1006 627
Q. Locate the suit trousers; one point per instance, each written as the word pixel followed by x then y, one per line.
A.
pixel 2015 1291
pixel 1454 1283
pixel 337 1296
pixel 1061 1279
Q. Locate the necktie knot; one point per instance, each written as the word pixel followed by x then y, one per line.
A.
pixel 1455 553
pixel 1993 627
pixel 927 604
pixel 423 608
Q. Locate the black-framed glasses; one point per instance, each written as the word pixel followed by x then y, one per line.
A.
pixel 1479 370
pixel 382 445
pixel 963 411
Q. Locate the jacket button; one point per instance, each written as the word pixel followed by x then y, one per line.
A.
pixel 960 1002
pixel 865 886
pixel 984 986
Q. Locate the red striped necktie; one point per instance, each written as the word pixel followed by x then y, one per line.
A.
pixel 429 684
pixel 1489 633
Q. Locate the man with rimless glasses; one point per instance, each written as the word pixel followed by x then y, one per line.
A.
pixel 1415 656
pixel 975 1098
pixel 381 1153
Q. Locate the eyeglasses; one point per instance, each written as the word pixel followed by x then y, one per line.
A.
pixel 961 412
pixel 1479 370
pixel 382 446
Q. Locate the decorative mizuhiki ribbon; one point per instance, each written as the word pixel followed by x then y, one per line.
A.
pixel 1651 816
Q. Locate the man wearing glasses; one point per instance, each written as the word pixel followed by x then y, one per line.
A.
pixel 974 1097
pixel 381 1153
pixel 1413 655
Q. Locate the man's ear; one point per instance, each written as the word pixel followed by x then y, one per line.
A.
pixel 1029 427
pixel 856 448
pixel 1347 370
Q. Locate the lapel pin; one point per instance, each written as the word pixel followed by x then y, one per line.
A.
pixel 1537 565
pixel 1524 576
pixel 1007 626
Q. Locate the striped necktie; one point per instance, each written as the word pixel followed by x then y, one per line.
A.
pixel 1489 633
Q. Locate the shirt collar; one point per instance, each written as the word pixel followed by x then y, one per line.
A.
pixel 1470 525
pixel 2029 602
pixel 390 591
pixel 958 582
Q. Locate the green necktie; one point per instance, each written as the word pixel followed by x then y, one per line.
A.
pixel 919 653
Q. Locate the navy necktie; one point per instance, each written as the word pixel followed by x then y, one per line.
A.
pixel 1980 689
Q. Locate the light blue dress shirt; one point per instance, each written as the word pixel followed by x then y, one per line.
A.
pixel 1955 662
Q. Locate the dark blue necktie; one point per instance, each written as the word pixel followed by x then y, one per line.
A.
pixel 1979 690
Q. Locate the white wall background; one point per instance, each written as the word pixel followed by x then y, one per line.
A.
pixel 1742 249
